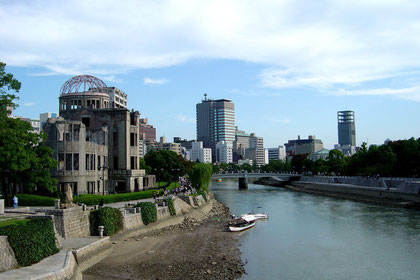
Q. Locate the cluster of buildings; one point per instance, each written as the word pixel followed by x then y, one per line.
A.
pixel 98 141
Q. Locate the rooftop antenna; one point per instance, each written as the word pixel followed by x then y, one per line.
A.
pixel 205 97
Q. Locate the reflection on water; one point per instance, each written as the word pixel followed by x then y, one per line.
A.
pixel 315 237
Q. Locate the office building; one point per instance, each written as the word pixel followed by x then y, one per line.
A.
pixel 278 153
pixel 303 146
pixel 198 153
pixel 240 144
pixel 224 152
pixel 215 122
pixel 256 152
pixel 174 147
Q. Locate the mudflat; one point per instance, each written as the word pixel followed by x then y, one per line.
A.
pixel 194 249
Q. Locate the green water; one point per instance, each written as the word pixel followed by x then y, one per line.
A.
pixel 315 237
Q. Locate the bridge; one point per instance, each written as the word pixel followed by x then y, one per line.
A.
pixel 243 177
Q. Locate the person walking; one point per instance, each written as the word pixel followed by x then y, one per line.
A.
pixel 15 201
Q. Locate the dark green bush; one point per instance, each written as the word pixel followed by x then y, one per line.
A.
pixel 108 217
pixel 33 200
pixel 148 212
pixel 93 199
pixel 31 241
pixel 171 206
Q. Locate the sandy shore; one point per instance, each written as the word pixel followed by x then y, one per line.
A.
pixel 191 250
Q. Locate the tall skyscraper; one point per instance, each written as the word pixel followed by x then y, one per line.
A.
pixel 346 128
pixel 215 122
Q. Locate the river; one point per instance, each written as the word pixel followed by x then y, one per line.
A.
pixel 315 237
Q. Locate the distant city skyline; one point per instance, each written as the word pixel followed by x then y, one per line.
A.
pixel 288 66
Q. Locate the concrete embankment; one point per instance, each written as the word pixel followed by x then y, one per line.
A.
pixel 389 196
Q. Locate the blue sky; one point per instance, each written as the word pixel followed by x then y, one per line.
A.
pixel 288 66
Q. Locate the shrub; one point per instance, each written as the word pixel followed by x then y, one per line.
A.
pixel 148 212
pixel 200 176
pixel 202 193
pixel 171 206
pixel 33 200
pixel 93 199
pixel 108 217
pixel 31 241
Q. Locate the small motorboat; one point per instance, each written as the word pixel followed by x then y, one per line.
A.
pixel 254 216
pixel 241 225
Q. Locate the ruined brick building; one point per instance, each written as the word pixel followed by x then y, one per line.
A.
pixel 96 139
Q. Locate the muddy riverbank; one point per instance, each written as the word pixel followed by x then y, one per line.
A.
pixel 194 249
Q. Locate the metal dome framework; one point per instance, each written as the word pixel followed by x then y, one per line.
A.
pixel 83 83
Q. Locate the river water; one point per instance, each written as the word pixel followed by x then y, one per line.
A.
pixel 315 237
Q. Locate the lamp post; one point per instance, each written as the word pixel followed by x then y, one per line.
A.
pixel 103 167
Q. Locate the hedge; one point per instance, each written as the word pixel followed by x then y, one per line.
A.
pixel 33 241
pixel 108 217
pixel 148 212
pixel 94 199
pixel 171 206
pixel 33 200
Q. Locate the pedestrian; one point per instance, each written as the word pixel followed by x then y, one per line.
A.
pixel 101 202
pixel 15 202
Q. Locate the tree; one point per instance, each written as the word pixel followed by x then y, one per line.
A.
pixel 143 165
pixel 297 162
pixel 166 165
pixel 200 176
pixel 336 161
pixel 24 159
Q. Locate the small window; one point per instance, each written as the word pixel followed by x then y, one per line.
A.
pixel 76 162
pixel 69 161
pixel 115 162
pixel 115 139
pixel 61 161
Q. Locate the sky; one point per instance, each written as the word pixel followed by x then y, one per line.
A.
pixel 287 65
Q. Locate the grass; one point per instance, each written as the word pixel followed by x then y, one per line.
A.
pixel 13 222
pixel 94 199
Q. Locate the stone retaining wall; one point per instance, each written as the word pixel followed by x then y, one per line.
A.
pixel 7 256
pixel 70 222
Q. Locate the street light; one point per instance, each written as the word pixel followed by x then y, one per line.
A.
pixel 103 167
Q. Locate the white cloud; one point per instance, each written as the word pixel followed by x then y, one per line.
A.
pixel 150 81
pixel 29 104
pixel 283 120
pixel 303 43
pixel 411 93
pixel 185 119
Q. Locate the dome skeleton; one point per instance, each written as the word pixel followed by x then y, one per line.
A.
pixel 88 82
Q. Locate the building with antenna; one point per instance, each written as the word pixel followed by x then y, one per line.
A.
pixel 215 122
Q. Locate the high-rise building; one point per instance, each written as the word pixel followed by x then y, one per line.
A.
pixel 346 128
pixel 256 150
pixel 215 122
pixel 224 152
pixel 240 144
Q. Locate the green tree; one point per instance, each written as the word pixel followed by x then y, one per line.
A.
pixel 336 161
pixel 24 159
pixel 297 162
pixel 200 176
pixel 143 165
pixel 166 165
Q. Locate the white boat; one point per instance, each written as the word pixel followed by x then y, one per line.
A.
pixel 254 216
pixel 242 225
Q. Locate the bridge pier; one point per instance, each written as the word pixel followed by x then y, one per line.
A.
pixel 243 183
